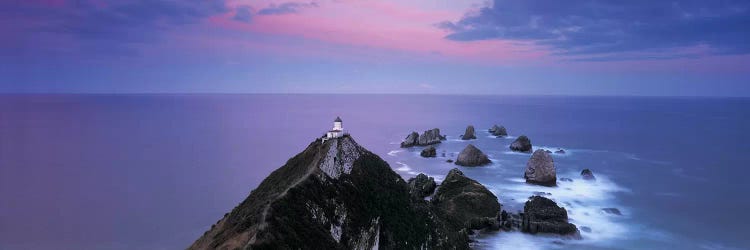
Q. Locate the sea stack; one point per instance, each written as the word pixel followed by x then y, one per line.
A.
pixel 469 133
pixel 471 156
pixel 410 141
pixel 427 138
pixel 430 137
pixel 333 195
pixel 521 144
pixel 540 169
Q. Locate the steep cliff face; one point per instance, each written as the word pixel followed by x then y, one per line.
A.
pixel 333 195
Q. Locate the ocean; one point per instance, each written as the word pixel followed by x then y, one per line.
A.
pixel 156 171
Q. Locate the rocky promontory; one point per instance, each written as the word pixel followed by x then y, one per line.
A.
pixel 333 195
pixel 542 215
pixel 471 156
pixel 521 144
pixel 540 169
pixel 468 133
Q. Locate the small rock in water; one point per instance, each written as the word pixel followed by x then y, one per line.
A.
pixel 566 179
pixel 587 174
pixel 429 152
pixel 449 160
pixel 560 151
pixel 521 144
pixel 498 131
pixel 542 193
pixel 586 229
pixel 611 210
pixel 547 150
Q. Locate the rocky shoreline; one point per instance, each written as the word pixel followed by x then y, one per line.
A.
pixel 338 195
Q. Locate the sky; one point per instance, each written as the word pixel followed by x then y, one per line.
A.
pixel 505 47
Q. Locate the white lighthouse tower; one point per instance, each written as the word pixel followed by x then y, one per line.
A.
pixel 337 131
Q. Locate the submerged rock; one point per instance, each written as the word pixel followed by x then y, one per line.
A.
pixel 586 174
pixel 429 152
pixel 465 203
pixel 498 131
pixel 471 156
pixel 333 195
pixel 560 151
pixel 566 179
pixel 611 210
pixel 421 186
pixel 411 140
pixel 542 215
pixel 521 144
pixel 449 160
pixel 540 169
pixel 469 133
pixel 430 137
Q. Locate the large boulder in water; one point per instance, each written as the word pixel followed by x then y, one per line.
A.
pixel 498 131
pixel 542 215
pixel 540 169
pixel 430 137
pixel 429 152
pixel 471 156
pixel 410 141
pixel 521 144
pixel 421 186
pixel 465 203
pixel 469 133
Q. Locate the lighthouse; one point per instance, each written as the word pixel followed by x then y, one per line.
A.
pixel 337 130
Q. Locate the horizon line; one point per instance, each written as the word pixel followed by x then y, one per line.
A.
pixel 359 93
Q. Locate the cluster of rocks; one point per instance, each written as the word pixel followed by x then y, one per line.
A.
pixel 558 151
pixel 428 137
pixel 498 131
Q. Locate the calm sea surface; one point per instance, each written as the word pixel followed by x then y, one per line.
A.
pixel 155 171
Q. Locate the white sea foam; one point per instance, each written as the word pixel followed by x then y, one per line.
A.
pixel 584 201
pixel 403 168
pixel 394 152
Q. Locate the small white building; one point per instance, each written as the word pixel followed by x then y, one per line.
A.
pixel 337 131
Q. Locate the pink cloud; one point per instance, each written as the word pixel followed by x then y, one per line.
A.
pixel 382 25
